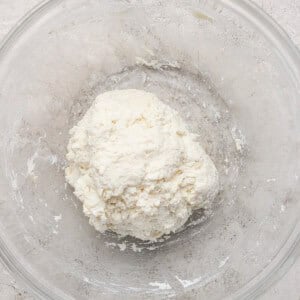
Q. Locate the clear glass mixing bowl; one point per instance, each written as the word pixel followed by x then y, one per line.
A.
pixel 234 77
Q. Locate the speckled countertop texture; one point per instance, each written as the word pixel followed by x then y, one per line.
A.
pixel 287 14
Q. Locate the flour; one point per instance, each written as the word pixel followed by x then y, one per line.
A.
pixel 136 168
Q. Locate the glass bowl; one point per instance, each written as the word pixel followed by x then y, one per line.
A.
pixel 232 74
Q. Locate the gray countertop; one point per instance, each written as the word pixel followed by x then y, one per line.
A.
pixel 286 13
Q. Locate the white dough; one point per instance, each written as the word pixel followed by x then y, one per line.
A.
pixel 135 166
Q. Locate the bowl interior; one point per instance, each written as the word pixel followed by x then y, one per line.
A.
pixel 227 81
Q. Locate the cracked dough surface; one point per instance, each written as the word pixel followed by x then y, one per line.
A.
pixel 136 167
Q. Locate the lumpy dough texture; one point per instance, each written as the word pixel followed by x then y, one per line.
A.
pixel 136 167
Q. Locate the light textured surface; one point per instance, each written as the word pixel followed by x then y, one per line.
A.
pixel 286 13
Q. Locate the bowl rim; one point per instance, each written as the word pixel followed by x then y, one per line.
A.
pixel 286 255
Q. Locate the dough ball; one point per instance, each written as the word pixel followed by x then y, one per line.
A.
pixel 136 167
